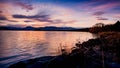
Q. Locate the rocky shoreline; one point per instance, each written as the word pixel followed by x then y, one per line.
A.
pixel 102 52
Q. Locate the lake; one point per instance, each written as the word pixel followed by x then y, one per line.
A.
pixel 21 45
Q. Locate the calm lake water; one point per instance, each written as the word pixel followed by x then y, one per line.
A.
pixel 21 45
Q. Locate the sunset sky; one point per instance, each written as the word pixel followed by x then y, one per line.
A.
pixel 61 13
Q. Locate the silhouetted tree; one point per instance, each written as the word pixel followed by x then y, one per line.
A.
pixel 99 25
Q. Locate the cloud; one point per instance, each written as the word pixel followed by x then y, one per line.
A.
pixel 1 11
pixel 2 17
pixel 17 25
pixel 116 16
pixel 107 6
pixel 101 18
pixel 30 17
pixel 28 21
pixel 12 20
pixel 5 19
pixel 56 22
pixel 98 13
pixel 43 18
pixel 38 17
pixel 24 5
pixel 100 5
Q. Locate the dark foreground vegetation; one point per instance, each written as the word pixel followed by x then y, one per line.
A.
pixel 100 27
pixel 102 52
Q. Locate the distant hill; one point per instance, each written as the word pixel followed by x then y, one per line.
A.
pixel 10 28
pixel 47 28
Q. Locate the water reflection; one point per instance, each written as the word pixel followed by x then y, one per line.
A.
pixel 37 43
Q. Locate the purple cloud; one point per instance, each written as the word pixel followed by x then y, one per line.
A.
pixel 30 17
pixel 98 13
pixel 101 18
pixel 42 18
pixel 16 25
pixel 12 20
pixel 1 11
pixel 100 5
pixel 5 19
pixel 2 17
pixel 24 5
pixel 107 6
pixel 28 21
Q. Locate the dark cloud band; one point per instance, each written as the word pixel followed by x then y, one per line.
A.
pixel 98 13
pixel 30 17
pixel 101 18
pixel 3 18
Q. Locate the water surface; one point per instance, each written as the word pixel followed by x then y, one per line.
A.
pixel 21 45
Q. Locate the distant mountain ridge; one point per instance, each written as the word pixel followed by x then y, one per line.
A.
pixel 109 27
pixel 46 28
